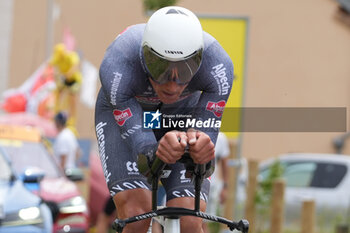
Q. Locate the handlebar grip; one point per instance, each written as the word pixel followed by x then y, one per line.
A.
pixel 243 226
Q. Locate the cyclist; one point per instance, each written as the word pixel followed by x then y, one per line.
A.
pixel 171 65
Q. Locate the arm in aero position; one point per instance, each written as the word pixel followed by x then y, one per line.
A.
pixel 215 78
pixel 119 79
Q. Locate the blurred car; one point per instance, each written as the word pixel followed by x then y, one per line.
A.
pixel 31 154
pixel 30 119
pixel 324 178
pixel 20 210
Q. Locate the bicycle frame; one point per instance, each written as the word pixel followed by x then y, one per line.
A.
pixel 171 215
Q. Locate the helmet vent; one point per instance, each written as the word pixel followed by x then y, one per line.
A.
pixel 174 11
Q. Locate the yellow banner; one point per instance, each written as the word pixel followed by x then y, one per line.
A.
pixel 232 35
pixel 24 133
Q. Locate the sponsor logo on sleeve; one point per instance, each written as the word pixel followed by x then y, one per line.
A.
pixel 101 147
pixel 122 115
pixel 219 73
pixel 130 131
pixel 216 108
pixel 115 86
pixel 132 168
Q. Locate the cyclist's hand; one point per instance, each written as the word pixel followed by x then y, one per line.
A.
pixel 172 146
pixel 202 149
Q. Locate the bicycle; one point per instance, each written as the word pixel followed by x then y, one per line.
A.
pixel 170 216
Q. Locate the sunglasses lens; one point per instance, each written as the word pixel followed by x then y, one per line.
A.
pixel 162 70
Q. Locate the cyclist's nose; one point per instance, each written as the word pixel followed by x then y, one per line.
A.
pixel 174 75
pixel 172 85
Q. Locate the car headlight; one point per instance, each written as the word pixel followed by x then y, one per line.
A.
pixel 73 205
pixel 26 216
pixel 29 213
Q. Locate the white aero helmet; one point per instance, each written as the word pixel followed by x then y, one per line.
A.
pixel 172 45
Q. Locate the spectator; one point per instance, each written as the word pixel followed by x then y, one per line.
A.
pixel 66 147
pixel 68 79
pixel 218 184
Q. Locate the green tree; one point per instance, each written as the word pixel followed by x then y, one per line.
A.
pixel 264 193
pixel 152 5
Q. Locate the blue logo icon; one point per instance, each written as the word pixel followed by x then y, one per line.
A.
pixel 151 120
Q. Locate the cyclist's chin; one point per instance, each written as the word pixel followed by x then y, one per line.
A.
pixel 169 100
pixel 166 99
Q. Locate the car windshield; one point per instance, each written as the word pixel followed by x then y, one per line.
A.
pixel 299 174
pixel 5 170
pixel 25 155
pixel 310 173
